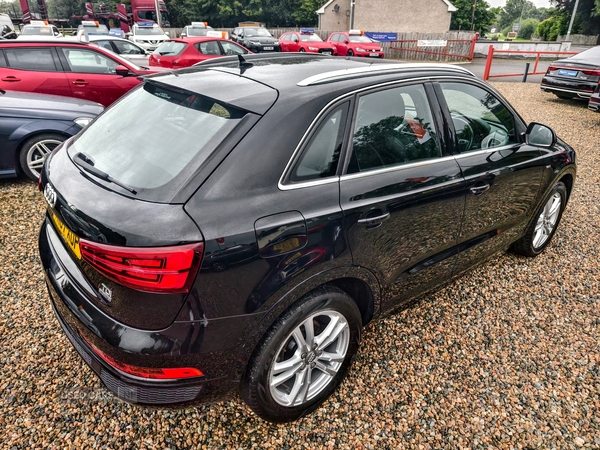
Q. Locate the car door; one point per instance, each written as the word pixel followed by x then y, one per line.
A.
pixel 284 41
pixel 503 174
pixel 92 75
pixel 33 69
pixel 402 193
pixel 342 45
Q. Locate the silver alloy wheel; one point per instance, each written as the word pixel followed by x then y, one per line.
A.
pixel 309 357
pixel 547 220
pixel 36 155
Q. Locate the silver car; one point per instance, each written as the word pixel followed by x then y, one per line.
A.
pixel 126 49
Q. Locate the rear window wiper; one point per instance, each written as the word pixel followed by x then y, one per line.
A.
pixel 87 163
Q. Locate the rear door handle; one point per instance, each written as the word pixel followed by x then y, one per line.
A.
pixel 10 78
pixel 478 190
pixel 80 83
pixel 374 220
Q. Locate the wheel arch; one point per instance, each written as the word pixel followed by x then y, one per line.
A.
pixel 359 283
pixel 24 139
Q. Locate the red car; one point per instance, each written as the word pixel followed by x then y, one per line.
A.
pixel 185 52
pixel 355 43
pixel 305 41
pixel 69 68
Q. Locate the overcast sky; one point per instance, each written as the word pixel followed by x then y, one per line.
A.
pixel 538 3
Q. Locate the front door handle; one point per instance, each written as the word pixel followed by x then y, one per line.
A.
pixel 80 83
pixel 10 78
pixel 478 190
pixel 374 220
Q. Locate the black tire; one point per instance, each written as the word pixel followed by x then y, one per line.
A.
pixel 527 246
pixel 301 50
pixel 278 342
pixel 349 53
pixel 33 152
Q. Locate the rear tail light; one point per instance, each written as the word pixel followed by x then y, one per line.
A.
pixel 592 73
pixel 171 373
pixel 160 269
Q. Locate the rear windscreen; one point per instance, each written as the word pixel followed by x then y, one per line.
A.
pixel 170 48
pixel 148 138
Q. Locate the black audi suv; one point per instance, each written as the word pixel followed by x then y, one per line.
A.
pixel 281 204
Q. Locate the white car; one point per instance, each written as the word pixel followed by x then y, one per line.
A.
pixel 122 47
pixel 39 29
pixel 196 29
pixel 147 35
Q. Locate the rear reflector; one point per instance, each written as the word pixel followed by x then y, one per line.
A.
pixel 171 373
pixel 159 269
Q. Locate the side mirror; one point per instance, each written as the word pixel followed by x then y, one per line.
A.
pixel 122 70
pixel 540 135
pixel 295 39
pixel 345 42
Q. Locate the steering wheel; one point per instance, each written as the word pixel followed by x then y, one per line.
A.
pixel 496 138
pixel 464 131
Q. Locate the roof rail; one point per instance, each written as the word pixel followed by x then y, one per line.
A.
pixel 378 69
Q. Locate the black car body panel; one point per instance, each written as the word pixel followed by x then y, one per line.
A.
pixel 23 115
pixel 383 236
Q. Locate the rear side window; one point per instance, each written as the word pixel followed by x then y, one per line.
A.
pixel 31 59
pixel 322 154
pixel 172 128
pixel 2 59
pixel 170 48
pixel 393 127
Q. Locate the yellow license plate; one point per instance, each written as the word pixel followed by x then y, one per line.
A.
pixel 287 246
pixel 68 236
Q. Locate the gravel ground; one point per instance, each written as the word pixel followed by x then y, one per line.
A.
pixel 506 357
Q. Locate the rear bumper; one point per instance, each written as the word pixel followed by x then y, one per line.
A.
pixel 209 345
pixel 575 88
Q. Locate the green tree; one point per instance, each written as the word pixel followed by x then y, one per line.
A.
pixel 461 18
pixel 528 27
pixel 514 10
pixel 12 8
pixel 306 14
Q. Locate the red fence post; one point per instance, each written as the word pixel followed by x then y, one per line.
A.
pixel 473 42
pixel 537 60
pixel 488 63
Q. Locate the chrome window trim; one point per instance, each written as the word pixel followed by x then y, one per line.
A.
pixel 300 146
pixel 485 150
pixel 335 178
pixel 378 69
pixel 425 162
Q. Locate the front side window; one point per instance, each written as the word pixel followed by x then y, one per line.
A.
pixel 232 49
pixel 393 127
pixel 480 120
pixel 87 61
pixel 321 156
pixel 209 48
pixel 31 59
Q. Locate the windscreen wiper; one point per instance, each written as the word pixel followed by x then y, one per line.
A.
pixel 87 163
